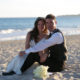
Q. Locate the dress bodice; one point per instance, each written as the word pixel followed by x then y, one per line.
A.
pixel 32 43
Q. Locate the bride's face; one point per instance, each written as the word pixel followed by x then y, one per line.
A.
pixel 41 26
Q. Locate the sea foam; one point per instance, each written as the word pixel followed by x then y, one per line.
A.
pixel 12 34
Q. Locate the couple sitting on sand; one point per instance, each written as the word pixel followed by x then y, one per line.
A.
pixel 44 44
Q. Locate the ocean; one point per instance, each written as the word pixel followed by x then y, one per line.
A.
pixel 17 28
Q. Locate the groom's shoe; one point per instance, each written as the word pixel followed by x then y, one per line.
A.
pixel 8 73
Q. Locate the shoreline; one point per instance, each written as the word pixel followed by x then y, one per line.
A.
pixel 10 48
pixel 24 38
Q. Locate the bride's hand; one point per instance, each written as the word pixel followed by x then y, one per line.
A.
pixel 21 53
pixel 43 57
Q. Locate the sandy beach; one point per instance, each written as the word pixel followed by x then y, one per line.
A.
pixel 9 49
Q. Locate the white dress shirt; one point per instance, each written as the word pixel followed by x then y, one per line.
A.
pixel 55 38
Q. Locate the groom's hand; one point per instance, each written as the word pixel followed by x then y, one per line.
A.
pixel 21 53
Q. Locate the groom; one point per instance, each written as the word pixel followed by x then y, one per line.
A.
pixel 55 44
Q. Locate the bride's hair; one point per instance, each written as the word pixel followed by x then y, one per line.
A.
pixel 34 33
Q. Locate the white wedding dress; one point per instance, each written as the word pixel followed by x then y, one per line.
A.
pixel 17 62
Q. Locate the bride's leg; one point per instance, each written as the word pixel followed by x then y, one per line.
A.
pixel 15 65
pixel 11 64
pixel 19 63
pixel 10 67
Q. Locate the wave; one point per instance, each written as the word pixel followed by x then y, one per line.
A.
pixel 8 31
pixel 70 31
pixel 12 34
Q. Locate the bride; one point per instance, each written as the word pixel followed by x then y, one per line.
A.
pixel 39 33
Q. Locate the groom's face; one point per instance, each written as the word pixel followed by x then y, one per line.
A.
pixel 51 24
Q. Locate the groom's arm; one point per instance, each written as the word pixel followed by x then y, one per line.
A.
pixel 56 38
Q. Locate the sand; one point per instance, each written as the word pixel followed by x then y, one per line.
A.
pixel 9 49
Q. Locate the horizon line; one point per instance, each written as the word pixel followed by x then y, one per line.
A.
pixel 42 16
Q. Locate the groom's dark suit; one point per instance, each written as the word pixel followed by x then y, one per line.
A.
pixel 55 60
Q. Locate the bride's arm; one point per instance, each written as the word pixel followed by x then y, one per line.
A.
pixel 27 42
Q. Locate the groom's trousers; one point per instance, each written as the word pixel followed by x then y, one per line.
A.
pixel 31 58
pixel 54 65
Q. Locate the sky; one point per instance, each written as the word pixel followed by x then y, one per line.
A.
pixel 35 8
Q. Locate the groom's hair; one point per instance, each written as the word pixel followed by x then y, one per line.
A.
pixel 50 16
